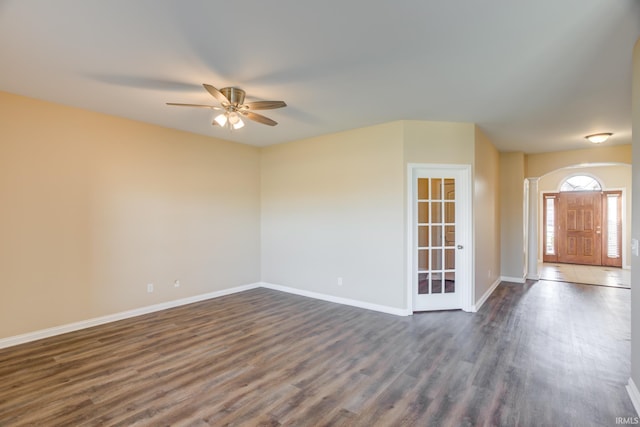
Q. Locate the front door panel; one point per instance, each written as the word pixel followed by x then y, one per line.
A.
pixel 579 227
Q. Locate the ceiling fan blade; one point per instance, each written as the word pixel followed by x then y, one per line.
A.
pixel 216 94
pixel 259 118
pixel 264 105
pixel 175 104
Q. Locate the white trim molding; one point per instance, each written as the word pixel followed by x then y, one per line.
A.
pixel 513 279
pixel 339 300
pixel 486 295
pixel 532 230
pixel 634 394
pixel 70 327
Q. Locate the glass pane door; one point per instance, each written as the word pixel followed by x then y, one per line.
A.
pixel 436 236
pixel 437 254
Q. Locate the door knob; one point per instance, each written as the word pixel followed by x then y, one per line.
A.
pixel 460 246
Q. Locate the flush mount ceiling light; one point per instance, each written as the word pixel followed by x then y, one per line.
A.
pixel 598 138
pixel 233 108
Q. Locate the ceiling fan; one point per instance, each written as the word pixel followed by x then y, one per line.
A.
pixel 233 107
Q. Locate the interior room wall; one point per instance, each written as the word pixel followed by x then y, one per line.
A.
pixel 464 143
pixel 94 207
pixel 511 215
pixel 332 207
pixel 611 178
pixel 541 164
pixel 438 142
pixel 97 207
pixel 635 231
pixel 486 214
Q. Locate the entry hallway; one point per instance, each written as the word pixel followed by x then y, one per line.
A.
pixel 540 354
pixel 587 274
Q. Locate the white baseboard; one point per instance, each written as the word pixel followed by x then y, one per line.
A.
pixel 634 394
pixel 513 279
pixel 486 295
pixel 338 300
pixel 63 329
pixel 533 276
pixel 70 327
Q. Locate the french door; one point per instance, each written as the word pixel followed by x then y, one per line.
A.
pixel 440 238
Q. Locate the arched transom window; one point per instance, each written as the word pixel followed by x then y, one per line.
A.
pixel 580 183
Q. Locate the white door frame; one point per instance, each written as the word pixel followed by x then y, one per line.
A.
pixel 464 233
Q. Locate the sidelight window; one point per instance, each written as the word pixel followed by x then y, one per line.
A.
pixel 613 222
pixel 550 225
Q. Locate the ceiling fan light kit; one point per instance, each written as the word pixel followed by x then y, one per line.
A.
pixel 598 138
pixel 232 119
pixel 232 104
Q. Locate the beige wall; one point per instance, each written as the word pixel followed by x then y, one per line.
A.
pixel 94 207
pixel 538 165
pixel 611 178
pixel 486 213
pixel 464 143
pixel 512 215
pixel 635 232
pixel 438 142
pixel 335 206
pixel 332 206
pixel 441 143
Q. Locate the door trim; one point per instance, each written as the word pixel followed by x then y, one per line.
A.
pixel 464 232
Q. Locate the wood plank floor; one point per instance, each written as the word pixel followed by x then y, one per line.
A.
pixel 541 354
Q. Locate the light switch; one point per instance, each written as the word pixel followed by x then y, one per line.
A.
pixel 634 247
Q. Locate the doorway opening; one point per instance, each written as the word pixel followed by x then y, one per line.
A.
pixel 439 237
pixel 583 224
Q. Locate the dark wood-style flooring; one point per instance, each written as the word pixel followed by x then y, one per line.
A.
pixel 541 354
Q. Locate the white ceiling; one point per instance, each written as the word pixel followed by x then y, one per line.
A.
pixel 534 75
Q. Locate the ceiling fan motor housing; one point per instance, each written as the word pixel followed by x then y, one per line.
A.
pixel 234 95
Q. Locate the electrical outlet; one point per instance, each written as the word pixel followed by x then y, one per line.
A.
pixel 149 287
pixel 339 281
pixel 176 284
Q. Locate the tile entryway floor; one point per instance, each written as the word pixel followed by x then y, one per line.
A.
pixel 591 275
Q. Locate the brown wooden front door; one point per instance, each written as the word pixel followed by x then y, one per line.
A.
pixel 579 231
pixel 575 222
